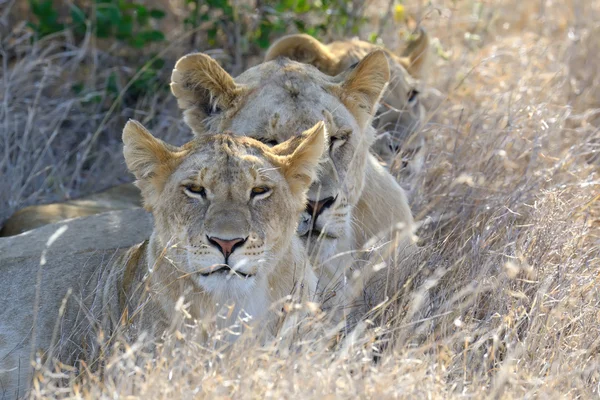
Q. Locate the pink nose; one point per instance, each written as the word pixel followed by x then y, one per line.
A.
pixel 227 246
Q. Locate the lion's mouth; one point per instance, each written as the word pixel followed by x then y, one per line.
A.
pixel 317 234
pixel 225 270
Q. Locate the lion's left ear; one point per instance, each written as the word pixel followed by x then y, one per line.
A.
pixel 414 57
pixel 150 159
pixel 300 157
pixel 305 49
pixel 363 86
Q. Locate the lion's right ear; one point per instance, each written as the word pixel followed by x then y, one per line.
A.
pixel 202 88
pixel 305 49
pixel 300 157
pixel 151 160
pixel 363 86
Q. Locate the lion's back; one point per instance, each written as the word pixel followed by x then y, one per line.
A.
pixel 120 197
pixel 65 263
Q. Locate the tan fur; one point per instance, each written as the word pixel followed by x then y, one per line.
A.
pixel 111 292
pixel 280 98
pixel 120 197
pixel 398 118
pixel 332 59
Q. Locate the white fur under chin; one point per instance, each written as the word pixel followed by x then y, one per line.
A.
pixel 237 296
pixel 239 301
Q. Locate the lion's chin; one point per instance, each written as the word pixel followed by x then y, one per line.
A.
pixel 226 272
pixel 227 283
pixel 316 234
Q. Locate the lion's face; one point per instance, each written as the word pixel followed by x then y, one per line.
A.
pixel 276 101
pixel 399 117
pixel 225 207
pixel 400 113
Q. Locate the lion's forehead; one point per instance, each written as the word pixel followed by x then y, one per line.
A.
pixel 284 110
pixel 281 70
pixel 227 166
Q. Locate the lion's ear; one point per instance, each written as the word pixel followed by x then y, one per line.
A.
pixel 414 57
pixel 202 88
pixel 363 86
pixel 305 49
pixel 151 160
pixel 300 157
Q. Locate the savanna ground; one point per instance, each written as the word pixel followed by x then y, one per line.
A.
pixel 508 292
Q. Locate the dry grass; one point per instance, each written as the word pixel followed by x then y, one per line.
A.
pixel 508 294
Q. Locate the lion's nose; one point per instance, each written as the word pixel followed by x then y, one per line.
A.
pixel 227 246
pixel 315 208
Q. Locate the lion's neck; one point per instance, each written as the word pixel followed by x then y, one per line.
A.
pixel 293 273
pixel 382 205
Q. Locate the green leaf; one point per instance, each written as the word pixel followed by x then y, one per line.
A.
pixel 125 28
pixel 108 14
pixel 212 35
pixel 302 6
pixel 154 36
pixel 77 15
pixel 300 25
pixel 157 14
pixel 142 15
pixel 137 41
pixel 77 88
pixel 142 38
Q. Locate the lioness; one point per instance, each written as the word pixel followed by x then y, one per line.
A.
pixel 356 209
pixel 400 111
pixel 225 214
pixel 400 114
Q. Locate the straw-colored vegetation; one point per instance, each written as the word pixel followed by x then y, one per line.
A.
pixel 508 290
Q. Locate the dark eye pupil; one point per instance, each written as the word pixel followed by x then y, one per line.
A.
pixel 215 109
pixel 268 142
pixel 196 189
pixel 259 190
pixel 412 95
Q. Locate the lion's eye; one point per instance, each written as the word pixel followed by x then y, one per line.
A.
pixel 336 141
pixel 412 96
pixel 268 142
pixel 215 109
pixel 259 190
pixel 194 190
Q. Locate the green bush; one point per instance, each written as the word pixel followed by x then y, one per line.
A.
pixel 257 27
pixel 126 21
pixel 239 29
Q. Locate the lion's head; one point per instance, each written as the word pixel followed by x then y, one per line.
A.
pixel 276 101
pixel 400 112
pixel 225 207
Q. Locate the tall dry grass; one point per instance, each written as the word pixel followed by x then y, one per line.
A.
pixel 508 290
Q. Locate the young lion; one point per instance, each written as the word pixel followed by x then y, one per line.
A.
pixel 225 214
pixel 400 112
pixel 356 209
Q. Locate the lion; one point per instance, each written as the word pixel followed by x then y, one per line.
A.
pixel 225 212
pixel 357 214
pixel 399 116
pixel 400 112
pixel 120 197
